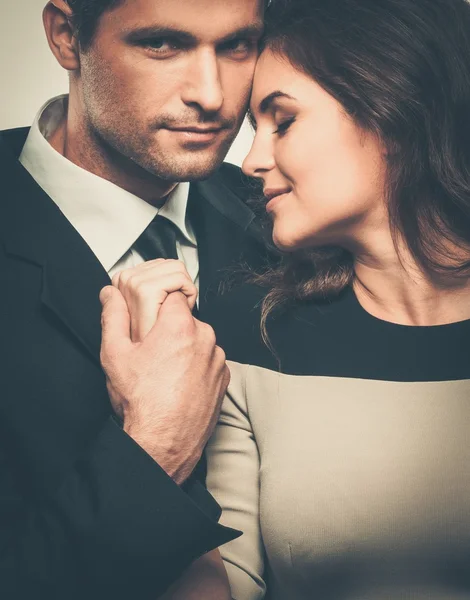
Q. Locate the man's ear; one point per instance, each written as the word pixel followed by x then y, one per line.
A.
pixel 60 34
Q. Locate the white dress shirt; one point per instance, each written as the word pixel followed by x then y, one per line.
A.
pixel 107 217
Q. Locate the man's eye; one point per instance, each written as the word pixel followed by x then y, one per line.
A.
pixel 284 126
pixel 239 46
pixel 160 46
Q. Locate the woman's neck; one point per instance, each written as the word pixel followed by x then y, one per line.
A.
pixel 392 287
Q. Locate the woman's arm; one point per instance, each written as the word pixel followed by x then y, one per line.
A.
pixel 233 480
pixel 205 579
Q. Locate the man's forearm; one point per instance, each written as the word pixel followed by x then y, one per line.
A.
pixel 101 521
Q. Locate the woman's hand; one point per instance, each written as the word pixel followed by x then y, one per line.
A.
pixel 146 287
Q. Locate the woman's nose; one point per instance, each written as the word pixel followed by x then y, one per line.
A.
pixel 259 159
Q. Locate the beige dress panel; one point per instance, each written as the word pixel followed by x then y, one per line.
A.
pixel 356 489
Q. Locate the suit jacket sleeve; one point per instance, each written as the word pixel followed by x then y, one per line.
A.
pixel 116 527
pixel 233 479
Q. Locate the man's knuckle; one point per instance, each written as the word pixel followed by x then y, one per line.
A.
pixel 208 334
pixel 105 358
pixel 185 325
pixel 220 354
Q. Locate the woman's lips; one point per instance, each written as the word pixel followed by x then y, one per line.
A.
pixel 275 198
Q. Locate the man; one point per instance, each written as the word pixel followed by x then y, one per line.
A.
pixel 96 493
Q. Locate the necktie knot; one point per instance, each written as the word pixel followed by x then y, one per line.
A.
pixel 158 240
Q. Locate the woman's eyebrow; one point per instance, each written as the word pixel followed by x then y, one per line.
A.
pixel 266 103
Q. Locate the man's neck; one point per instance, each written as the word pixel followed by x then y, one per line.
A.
pixel 75 142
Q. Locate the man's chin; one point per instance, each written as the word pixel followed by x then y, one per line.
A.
pixel 194 168
pixel 198 164
pixel 197 174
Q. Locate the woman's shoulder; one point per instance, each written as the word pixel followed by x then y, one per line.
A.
pixel 253 390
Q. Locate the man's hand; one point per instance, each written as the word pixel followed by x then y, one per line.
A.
pixel 167 388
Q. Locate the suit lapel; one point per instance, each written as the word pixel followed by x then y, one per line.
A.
pixel 227 233
pixel 218 239
pixel 36 231
pixel 71 292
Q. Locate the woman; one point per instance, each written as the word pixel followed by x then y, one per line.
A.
pixel 348 467
pixel 346 464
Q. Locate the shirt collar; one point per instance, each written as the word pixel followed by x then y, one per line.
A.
pixel 108 218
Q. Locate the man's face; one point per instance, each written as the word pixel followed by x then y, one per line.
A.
pixel 165 83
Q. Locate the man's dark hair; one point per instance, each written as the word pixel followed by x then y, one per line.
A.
pixel 401 70
pixel 87 13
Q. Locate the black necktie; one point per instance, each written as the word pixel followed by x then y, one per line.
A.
pixel 158 240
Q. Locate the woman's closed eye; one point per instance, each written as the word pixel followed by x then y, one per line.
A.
pixel 284 126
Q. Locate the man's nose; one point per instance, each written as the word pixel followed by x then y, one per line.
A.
pixel 260 158
pixel 204 87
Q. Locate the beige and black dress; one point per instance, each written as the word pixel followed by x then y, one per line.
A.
pixel 349 469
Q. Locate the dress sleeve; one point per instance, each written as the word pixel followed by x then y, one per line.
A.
pixel 233 479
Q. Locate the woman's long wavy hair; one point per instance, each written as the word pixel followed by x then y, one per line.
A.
pixel 401 70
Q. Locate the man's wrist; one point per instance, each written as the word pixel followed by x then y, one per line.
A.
pixel 168 458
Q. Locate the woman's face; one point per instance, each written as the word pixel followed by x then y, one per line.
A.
pixel 326 175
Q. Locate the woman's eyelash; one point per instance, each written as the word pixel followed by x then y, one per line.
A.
pixel 283 127
pixel 252 120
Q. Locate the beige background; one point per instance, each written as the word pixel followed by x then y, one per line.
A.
pixel 29 74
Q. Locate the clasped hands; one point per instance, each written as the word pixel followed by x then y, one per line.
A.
pixel 166 376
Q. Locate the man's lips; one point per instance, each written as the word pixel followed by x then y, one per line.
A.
pixel 201 130
pixel 196 136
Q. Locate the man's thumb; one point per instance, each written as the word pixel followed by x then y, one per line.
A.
pixel 115 319
pixel 176 301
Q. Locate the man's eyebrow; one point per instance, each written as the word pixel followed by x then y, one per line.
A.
pixel 251 31
pixel 150 32
pixel 265 104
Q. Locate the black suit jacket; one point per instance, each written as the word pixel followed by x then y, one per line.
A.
pixel 84 511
